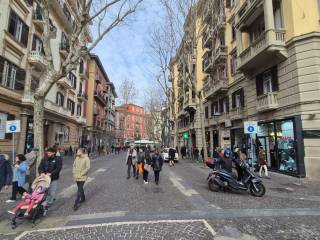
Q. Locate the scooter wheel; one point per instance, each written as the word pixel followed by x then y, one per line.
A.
pixel 258 190
pixel 213 186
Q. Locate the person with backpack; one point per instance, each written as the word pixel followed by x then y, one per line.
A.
pixel 5 172
pixel 131 161
pixel 157 162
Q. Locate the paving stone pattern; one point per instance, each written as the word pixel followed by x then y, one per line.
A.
pixel 132 231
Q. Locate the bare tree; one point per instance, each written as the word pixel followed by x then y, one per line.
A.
pixel 127 92
pixel 103 16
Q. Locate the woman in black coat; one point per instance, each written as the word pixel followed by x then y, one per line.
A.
pixel 5 172
pixel 157 162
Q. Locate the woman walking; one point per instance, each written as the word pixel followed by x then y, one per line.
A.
pixel 146 166
pixel 262 162
pixel 131 161
pixel 157 162
pixel 81 167
pixel 19 169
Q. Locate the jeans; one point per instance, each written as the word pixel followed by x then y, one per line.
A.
pixel 156 176
pixel 52 192
pixel 16 189
pixel 80 195
pixel 134 170
pixel 265 170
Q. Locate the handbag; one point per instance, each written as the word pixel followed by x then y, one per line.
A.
pixel 147 167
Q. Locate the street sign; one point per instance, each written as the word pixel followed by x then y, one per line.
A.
pixel 13 126
pixel 250 127
pixel 185 136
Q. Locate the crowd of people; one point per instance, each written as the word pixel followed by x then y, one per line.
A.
pixel 140 161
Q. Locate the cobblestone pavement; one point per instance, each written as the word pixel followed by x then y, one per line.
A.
pixel 290 207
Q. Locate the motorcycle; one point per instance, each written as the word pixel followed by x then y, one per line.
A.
pixel 221 180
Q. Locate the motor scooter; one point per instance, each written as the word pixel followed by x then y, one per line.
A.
pixel 221 180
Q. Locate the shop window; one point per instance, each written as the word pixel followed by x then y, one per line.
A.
pixel 18 29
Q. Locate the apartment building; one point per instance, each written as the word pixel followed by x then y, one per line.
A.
pixel 21 69
pixel 130 122
pixel 261 64
pixel 100 111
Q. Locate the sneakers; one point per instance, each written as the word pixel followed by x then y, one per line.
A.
pixel 145 182
pixel 10 201
pixel 11 212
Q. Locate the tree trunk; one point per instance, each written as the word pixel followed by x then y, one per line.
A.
pixel 38 127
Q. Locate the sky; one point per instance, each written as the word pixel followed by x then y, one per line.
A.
pixel 125 53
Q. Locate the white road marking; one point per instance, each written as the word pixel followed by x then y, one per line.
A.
pixel 181 188
pixel 210 229
pixel 97 215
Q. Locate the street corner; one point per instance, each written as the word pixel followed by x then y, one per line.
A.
pixel 166 229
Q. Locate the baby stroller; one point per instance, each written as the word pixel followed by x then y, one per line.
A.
pixel 41 183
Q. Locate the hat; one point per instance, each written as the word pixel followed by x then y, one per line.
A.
pixel 51 150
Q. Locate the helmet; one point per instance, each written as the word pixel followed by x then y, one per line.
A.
pixel 227 152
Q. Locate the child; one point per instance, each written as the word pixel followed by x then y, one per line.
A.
pixel 30 200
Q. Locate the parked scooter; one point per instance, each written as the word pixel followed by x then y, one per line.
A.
pixel 221 180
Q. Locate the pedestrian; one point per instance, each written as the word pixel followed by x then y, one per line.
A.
pixel 70 151
pixel 140 161
pixel 242 158
pixel 236 153
pixel 183 151
pixel 81 167
pixel 131 160
pixel 146 165
pixel 172 155
pixel 157 162
pixel 5 172
pixel 31 160
pixel 51 166
pixel 196 154
pixel 19 169
pixel 262 162
pixel 202 154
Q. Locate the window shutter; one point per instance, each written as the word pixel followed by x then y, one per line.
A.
pixel 12 23
pixel 20 79
pixel 25 35
pixel 241 97
pixel 234 100
pixel 259 84
pixel 274 75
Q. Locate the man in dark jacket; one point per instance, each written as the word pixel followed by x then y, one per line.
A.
pixel 157 162
pixel 172 155
pixel 5 172
pixel 51 165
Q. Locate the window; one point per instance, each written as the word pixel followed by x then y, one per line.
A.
pixel 224 105
pixel 64 42
pixel 80 87
pixel 79 110
pixel 206 112
pixel 238 99
pixel 18 29
pixel 233 33
pixel 231 3
pixel 11 76
pixel 81 68
pixel 233 64
pixel 73 80
pixel 36 44
pixel 34 84
pixel 70 106
pixel 267 81
pixel 60 99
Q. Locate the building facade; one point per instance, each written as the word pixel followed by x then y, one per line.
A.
pixel 100 112
pixel 260 64
pixel 130 122
pixel 21 68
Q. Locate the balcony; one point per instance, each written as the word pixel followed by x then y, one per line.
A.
pixel 37 59
pixel 37 20
pixel 61 9
pixel 207 14
pixel 221 54
pixel 190 105
pixel 99 96
pixel 208 62
pixel 270 46
pixel 65 83
pixel 220 24
pixel 223 117
pixel 64 49
pixel 248 12
pixel 216 88
pixel 238 113
pixel 210 122
pixel 82 96
pixel 267 102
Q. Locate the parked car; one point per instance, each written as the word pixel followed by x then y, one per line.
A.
pixel 165 155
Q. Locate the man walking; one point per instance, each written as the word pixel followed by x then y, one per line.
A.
pixel 157 162
pixel 172 154
pixel 51 165
pixel 81 167
pixel 196 154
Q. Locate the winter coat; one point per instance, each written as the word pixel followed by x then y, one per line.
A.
pixel 51 165
pixel 157 162
pixel 5 172
pixel 225 163
pixel 21 173
pixel 172 153
pixel 133 154
pixel 81 168
pixel 31 160
pixel 262 158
